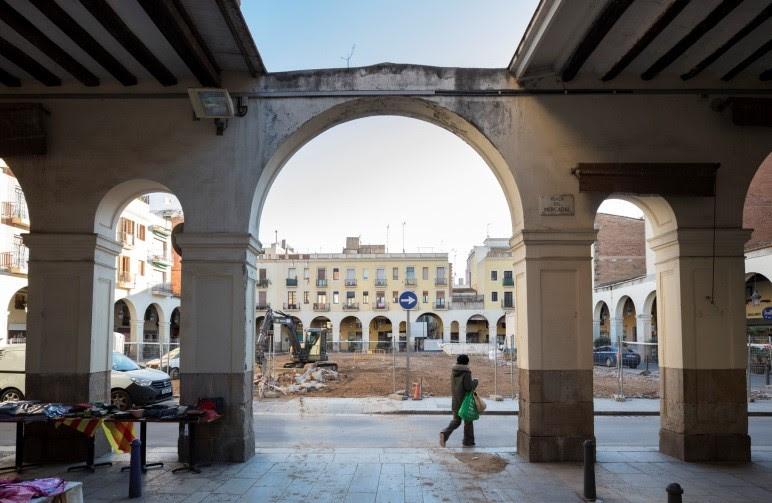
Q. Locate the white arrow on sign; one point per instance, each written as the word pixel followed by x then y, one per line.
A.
pixel 410 301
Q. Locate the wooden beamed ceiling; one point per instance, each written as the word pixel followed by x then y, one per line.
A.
pixel 30 49
pixel 615 11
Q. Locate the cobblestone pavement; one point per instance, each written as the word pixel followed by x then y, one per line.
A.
pixel 427 476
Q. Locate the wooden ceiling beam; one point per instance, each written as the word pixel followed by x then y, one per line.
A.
pixel 112 22
pixel 85 41
pixel 174 23
pixel 662 22
pixel 742 65
pixel 648 178
pixel 9 80
pixel 231 13
pixel 26 29
pixel 745 31
pixel 26 63
pixel 703 27
pixel 598 30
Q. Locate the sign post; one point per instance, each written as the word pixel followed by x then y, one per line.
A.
pixel 407 301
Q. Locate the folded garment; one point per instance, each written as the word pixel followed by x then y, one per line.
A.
pixel 18 491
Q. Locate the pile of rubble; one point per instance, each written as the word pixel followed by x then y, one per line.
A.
pixel 312 379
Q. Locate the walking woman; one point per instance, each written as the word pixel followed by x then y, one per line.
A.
pixel 461 383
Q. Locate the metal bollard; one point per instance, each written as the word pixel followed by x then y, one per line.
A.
pixel 674 493
pixel 135 472
pixel 589 470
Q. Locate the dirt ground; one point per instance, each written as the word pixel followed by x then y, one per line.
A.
pixel 363 375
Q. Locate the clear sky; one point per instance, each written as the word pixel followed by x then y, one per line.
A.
pixel 360 177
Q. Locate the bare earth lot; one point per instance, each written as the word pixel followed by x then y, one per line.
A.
pixel 363 375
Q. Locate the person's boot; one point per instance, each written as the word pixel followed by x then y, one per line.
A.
pixel 442 439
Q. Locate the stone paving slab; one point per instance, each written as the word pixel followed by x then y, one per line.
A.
pixel 405 475
pixel 311 405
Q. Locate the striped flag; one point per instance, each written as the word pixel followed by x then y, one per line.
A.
pixel 119 435
pixel 86 426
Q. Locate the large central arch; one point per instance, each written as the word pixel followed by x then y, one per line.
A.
pixel 415 108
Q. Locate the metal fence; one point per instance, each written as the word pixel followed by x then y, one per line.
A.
pixel 145 353
pixel 759 368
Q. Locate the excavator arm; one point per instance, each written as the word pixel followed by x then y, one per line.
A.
pixel 272 317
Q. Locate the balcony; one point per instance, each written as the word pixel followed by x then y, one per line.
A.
pixel 351 283
pixel 508 281
pixel 381 306
pixel 508 306
pixel 160 261
pixel 162 289
pixel 292 282
pixel 289 307
pixel 351 306
pixel 321 307
pixel 381 282
pixel 15 213
pixel 262 306
pixel 321 282
pixel 13 262
pixel 263 283
pixel 468 302
pixel 441 281
pixel 411 281
pixel 126 239
pixel 125 280
pixel 440 305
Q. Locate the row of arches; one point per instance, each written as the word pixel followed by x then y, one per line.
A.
pixel 352 334
pixel 634 320
pixel 147 331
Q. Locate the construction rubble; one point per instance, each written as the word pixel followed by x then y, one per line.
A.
pixel 292 382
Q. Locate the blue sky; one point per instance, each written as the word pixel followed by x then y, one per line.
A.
pixel 360 177
pixel 301 34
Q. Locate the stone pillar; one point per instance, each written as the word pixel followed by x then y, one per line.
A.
pixel 617 330
pixel 336 337
pixel 702 352
pixel 643 328
pixel 461 334
pixel 553 289
pixel 164 337
pixel 70 316
pixel 218 292
pixel 595 329
pixel 138 337
pixel 446 332
pixel 395 336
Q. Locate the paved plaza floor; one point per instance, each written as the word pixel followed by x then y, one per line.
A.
pixel 426 476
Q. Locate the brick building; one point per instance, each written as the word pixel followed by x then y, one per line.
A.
pixel 620 250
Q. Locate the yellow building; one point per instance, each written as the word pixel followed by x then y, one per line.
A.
pixel 354 293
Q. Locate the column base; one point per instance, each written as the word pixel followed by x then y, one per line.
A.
pixel 733 447
pixel 550 449
pixel 231 439
pixel 556 414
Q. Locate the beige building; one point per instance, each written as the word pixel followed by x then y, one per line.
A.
pixel 354 294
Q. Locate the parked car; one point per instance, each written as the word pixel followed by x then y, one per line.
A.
pixel 170 361
pixel 129 383
pixel 607 355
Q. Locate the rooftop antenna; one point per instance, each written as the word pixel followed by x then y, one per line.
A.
pixel 347 59
pixel 387 238
pixel 403 236
pixel 276 237
pixel 487 230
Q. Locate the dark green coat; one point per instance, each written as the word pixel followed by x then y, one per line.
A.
pixel 461 382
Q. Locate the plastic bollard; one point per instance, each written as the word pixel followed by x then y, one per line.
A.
pixel 589 470
pixel 674 492
pixel 135 472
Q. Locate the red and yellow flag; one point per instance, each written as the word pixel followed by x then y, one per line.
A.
pixel 119 435
pixel 86 426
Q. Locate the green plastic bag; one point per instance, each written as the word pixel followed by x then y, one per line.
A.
pixel 468 410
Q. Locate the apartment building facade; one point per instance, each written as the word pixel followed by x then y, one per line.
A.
pixel 355 295
pixel 14 221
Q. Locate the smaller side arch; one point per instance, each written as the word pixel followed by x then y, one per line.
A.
pixel 116 200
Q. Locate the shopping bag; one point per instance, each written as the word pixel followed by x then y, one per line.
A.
pixel 468 410
pixel 479 403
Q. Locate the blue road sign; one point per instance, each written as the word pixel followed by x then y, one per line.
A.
pixel 766 313
pixel 408 300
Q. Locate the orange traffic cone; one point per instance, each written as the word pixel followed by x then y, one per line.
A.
pixel 416 393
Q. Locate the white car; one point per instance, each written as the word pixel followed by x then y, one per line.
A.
pixel 129 384
pixel 169 362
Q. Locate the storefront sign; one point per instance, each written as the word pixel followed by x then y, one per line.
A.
pixel 557 205
pixel 767 313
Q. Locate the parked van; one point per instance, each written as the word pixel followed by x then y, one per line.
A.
pixel 130 384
